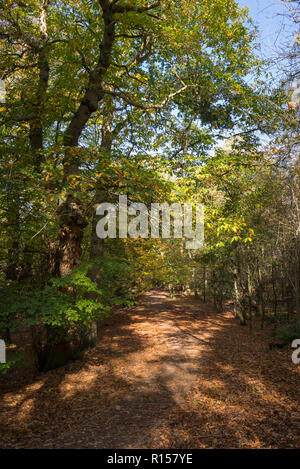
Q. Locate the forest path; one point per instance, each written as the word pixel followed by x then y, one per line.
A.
pixel 158 348
pixel 166 373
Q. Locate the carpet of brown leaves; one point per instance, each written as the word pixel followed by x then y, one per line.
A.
pixel 167 373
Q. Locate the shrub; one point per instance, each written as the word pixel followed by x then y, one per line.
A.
pixel 287 333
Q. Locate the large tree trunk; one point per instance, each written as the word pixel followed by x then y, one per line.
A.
pixel 71 219
pixel 72 224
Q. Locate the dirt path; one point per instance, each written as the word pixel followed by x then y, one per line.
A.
pixel 167 373
pixel 161 373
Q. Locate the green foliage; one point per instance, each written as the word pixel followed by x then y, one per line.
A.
pixel 60 302
pixel 13 360
pixel 117 282
pixel 287 333
pixel 72 299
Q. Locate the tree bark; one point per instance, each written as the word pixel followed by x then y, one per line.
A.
pixel 71 218
pixel 238 301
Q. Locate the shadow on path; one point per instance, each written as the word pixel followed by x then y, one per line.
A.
pixel 167 373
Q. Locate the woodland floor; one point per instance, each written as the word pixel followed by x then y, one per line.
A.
pixel 167 373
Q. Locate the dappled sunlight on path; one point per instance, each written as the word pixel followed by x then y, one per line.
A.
pixel 168 372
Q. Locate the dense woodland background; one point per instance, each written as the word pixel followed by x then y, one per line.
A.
pixel 164 101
